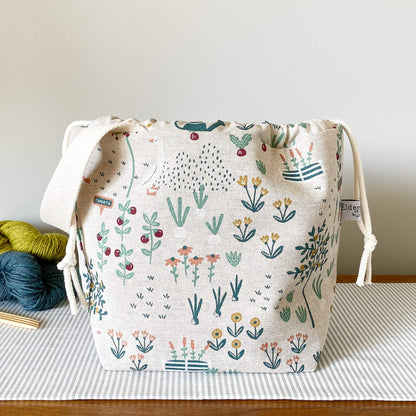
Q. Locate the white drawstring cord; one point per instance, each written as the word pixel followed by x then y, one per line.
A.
pixel 68 264
pixel 370 241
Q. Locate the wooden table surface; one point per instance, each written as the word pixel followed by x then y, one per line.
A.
pixel 217 407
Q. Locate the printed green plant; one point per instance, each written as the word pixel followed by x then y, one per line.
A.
pixel 289 296
pixel 95 294
pixel 212 259
pixel 317 356
pixel 102 245
pixel 282 217
pixel 122 221
pixel 271 252
pixel 200 199
pixel 217 334
pixel 301 313
pixel 219 300
pixel 276 140
pixel 144 341
pixel 195 308
pixel 151 230
pixel 317 286
pixel 195 261
pixel 272 356
pixel 236 344
pixel 254 202
pixel 233 258
pixel 285 313
pixel 241 143
pixel 236 331
pixel 139 359
pixel 331 266
pixel 293 364
pixel 180 217
pixel 255 322
pixel 244 235
pixel 236 287
pixel 118 350
pixel 215 227
pixel 313 257
pixel 124 271
pixel 300 344
pixel 261 166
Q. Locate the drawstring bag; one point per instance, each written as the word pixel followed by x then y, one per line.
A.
pixel 205 246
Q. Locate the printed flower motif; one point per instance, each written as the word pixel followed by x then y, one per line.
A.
pixel 300 344
pixel 264 346
pixel 247 221
pixel 243 180
pixel 119 335
pixel 172 262
pixel 237 223
pixel 273 345
pixel 256 182
pixel 289 362
pixel 212 258
pixel 236 344
pixel 132 357
pixel 264 239
pixel 217 333
pixel 110 333
pixel 264 191
pixel 272 356
pixel 185 250
pixel 236 317
pixel 275 236
pixel 255 322
pixel 136 334
pixel 152 338
pixel 195 261
pixel 145 333
pixel 277 204
pixel 288 201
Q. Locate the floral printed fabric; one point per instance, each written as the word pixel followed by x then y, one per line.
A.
pixel 211 246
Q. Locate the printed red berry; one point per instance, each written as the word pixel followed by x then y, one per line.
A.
pixel 129 266
pixel 263 147
pixel 144 239
pixel 81 246
pixel 337 156
pixel 107 251
pixel 117 253
pixel 99 237
pixel 159 233
pixel 194 136
pixel 119 221
pixel 133 210
pixel 241 152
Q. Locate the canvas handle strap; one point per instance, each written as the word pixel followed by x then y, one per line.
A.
pixel 60 197
pixel 364 224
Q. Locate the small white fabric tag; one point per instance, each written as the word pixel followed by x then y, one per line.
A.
pixel 350 210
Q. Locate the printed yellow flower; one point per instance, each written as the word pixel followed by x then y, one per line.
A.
pixel 236 344
pixel 302 268
pixel 264 191
pixel 277 204
pixel 237 223
pixel 242 181
pixel 247 221
pixel 255 322
pixel 236 317
pixel 265 239
pixel 275 236
pixel 288 201
pixel 256 181
pixel 217 333
pixel 316 237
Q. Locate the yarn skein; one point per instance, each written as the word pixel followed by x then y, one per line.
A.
pixel 28 272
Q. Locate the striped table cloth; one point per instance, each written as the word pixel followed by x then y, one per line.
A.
pixel 370 354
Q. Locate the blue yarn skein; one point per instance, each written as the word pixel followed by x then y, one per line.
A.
pixel 36 285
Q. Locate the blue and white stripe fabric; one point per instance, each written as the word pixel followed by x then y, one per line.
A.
pixel 369 355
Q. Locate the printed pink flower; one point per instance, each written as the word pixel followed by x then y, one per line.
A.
pixel 282 157
pixel 291 153
pixel 132 357
pixel 289 362
pixel 119 335
pixel 125 343
pixel 171 345
pixel 110 333
pixel 278 350
pixel 273 345
pixel 291 338
pixel 264 347
pixel 295 358
pixel 140 357
pixel 298 152
pixel 184 342
pixel 310 147
pixel 171 261
pixel 212 258
pixel 206 347
pixel 298 335
pixel 145 333
pixel 305 337
pixel 192 344
pixel 195 261
pixel 185 250
pixel 152 337
pixel 136 334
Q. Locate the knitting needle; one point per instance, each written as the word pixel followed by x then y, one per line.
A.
pixel 20 321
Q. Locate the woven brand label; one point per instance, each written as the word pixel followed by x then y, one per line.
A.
pixel 350 210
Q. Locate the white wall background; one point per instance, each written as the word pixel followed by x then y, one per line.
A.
pixel 282 61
